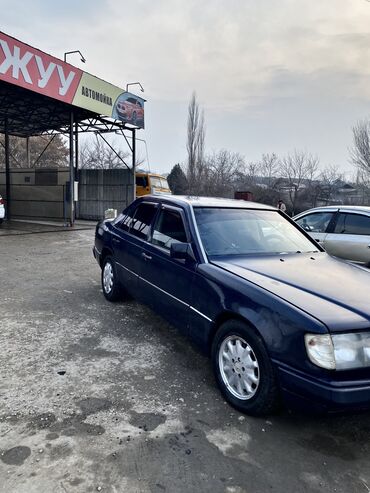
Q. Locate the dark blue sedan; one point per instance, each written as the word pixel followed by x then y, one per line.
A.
pixel 280 318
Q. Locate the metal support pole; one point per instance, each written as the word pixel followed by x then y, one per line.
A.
pixel 7 170
pixel 76 152
pixel 112 148
pixel 134 160
pixel 77 171
pixel 28 153
pixel 71 172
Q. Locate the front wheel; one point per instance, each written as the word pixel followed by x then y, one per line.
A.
pixel 109 280
pixel 244 370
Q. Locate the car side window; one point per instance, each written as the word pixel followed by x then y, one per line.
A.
pixel 141 181
pixel 315 223
pixel 123 221
pixel 169 228
pixel 142 220
pixel 353 224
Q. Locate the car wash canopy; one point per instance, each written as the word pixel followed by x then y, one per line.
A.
pixel 40 94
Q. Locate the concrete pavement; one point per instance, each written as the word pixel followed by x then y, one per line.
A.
pixel 108 397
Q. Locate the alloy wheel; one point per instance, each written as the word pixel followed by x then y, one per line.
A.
pixel 239 367
pixel 108 277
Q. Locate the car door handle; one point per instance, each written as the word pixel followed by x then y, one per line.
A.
pixel 146 256
pixel 115 240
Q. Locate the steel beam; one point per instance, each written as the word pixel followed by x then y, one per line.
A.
pixel 7 171
pixel 71 171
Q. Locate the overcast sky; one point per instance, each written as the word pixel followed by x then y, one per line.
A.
pixel 271 75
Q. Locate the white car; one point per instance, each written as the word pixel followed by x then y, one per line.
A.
pixel 344 231
pixel 2 209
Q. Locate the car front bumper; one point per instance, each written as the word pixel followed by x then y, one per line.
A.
pixel 302 390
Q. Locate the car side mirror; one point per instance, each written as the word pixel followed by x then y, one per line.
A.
pixel 182 251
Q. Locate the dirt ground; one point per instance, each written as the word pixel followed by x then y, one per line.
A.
pixel 108 397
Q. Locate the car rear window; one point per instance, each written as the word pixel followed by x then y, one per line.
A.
pixel 142 220
pixel 123 221
pixel 353 224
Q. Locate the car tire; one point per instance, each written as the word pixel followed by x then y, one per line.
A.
pixel 109 280
pixel 243 369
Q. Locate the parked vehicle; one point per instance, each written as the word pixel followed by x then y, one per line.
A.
pixel 151 183
pixel 278 315
pixel 344 231
pixel 2 209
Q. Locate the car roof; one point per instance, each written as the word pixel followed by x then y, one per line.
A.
pixel 195 201
pixel 344 208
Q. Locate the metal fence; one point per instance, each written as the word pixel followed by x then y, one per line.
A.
pixel 103 189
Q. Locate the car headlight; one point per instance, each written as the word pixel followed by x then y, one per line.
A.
pixel 339 351
pixel 351 350
pixel 320 350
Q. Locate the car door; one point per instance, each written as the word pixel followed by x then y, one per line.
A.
pixel 350 238
pixel 128 239
pixel 166 282
pixel 316 224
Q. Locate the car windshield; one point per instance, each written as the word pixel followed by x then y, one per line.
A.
pixel 248 232
pixel 158 182
pixel 155 181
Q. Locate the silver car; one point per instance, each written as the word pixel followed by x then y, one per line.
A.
pixel 344 231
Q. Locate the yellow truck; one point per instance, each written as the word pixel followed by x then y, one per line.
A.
pixel 151 183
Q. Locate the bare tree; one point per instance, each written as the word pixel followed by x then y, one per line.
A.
pixel 221 170
pixel 251 172
pixel 362 181
pixel 96 154
pixel 269 167
pixel 44 151
pixel 330 177
pixel 362 178
pixel 360 152
pixel 299 169
pixel 195 144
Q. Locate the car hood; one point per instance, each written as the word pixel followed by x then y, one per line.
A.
pixel 333 291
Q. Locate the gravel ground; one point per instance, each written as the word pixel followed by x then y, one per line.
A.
pixel 108 397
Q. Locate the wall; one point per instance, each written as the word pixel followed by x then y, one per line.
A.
pixel 36 193
pixel 43 193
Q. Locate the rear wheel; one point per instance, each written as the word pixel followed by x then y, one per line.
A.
pixel 243 369
pixel 109 280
